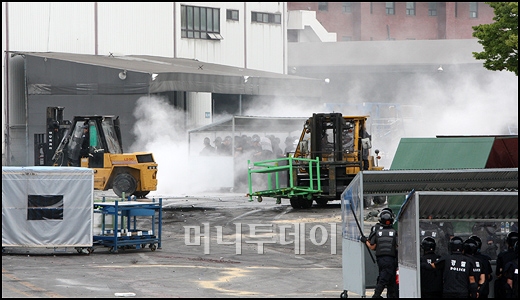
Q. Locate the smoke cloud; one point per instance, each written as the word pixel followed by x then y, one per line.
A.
pixel 157 131
pixel 468 105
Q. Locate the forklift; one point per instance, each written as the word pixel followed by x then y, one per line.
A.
pixel 95 142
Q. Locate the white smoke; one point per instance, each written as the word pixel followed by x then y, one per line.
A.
pixel 157 130
pixel 469 105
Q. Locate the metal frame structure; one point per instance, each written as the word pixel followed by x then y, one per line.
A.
pixel 126 235
pixel 491 185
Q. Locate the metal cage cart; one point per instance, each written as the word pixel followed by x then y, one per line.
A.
pixel 124 233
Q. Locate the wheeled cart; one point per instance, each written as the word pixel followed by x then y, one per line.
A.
pixel 124 233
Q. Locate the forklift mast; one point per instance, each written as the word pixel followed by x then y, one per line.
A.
pixel 57 129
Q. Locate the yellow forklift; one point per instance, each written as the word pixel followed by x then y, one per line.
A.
pixel 331 150
pixel 95 142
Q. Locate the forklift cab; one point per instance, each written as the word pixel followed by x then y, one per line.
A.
pixel 101 138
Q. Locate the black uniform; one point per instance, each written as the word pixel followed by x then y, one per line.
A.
pixel 511 272
pixel 85 143
pixel 385 239
pixel 457 268
pixel 477 268
pixel 431 279
pixel 485 261
pixel 500 283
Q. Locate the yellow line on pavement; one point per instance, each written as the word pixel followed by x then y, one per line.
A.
pixel 28 285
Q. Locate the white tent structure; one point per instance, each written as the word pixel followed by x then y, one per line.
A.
pixel 47 207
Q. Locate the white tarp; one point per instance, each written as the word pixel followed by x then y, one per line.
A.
pixel 47 206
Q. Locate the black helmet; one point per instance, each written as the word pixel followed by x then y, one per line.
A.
pixel 388 209
pixel 428 244
pixel 456 244
pixel 512 237
pixel 386 218
pixel 477 239
pixel 470 246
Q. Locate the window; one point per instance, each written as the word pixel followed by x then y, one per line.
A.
pixel 390 8
pixel 473 9
pixel 260 17
pixel 432 8
pixel 323 6
pixel 45 207
pixel 200 22
pixel 346 7
pixel 232 14
pixel 410 8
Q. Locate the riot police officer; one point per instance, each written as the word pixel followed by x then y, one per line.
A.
pixel 458 275
pixel 384 242
pixel 469 249
pixel 511 275
pixel 502 259
pixel 485 260
pixel 431 279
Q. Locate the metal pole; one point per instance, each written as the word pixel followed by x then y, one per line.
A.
pixel 360 230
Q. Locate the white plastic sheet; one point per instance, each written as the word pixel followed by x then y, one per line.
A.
pixel 47 206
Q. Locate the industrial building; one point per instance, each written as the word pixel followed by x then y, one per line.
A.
pixel 380 21
pixel 101 58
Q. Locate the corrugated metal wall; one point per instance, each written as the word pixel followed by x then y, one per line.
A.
pixel 51 26
pixel 136 28
pixel 146 29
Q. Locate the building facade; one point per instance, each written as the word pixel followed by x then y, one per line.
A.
pixel 240 35
pixel 378 21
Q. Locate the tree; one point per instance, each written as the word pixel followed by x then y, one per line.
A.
pixel 500 39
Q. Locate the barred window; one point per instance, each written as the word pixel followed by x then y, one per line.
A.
pixel 232 14
pixel 260 17
pixel 410 8
pixel 323 6
pixel 200 22
pixel 346 7
pixel 432 8
pixel 473 9
pixel 390 8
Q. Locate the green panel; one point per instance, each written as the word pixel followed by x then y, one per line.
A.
pixel 93 136
pixel 442 153
pixel 395 202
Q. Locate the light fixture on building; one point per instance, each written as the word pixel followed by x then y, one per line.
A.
pixel 327 80
pixel 154 76
pixel 440 69
pixel 122 75
pixel 246 78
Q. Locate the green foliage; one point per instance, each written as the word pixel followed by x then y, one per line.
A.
pixel 500 39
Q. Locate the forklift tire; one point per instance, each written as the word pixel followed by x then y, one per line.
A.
pixel 141 195
pixel 301 202
pixel 322 202
pixel 295 203
pixel 306 203
pixel 124 182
